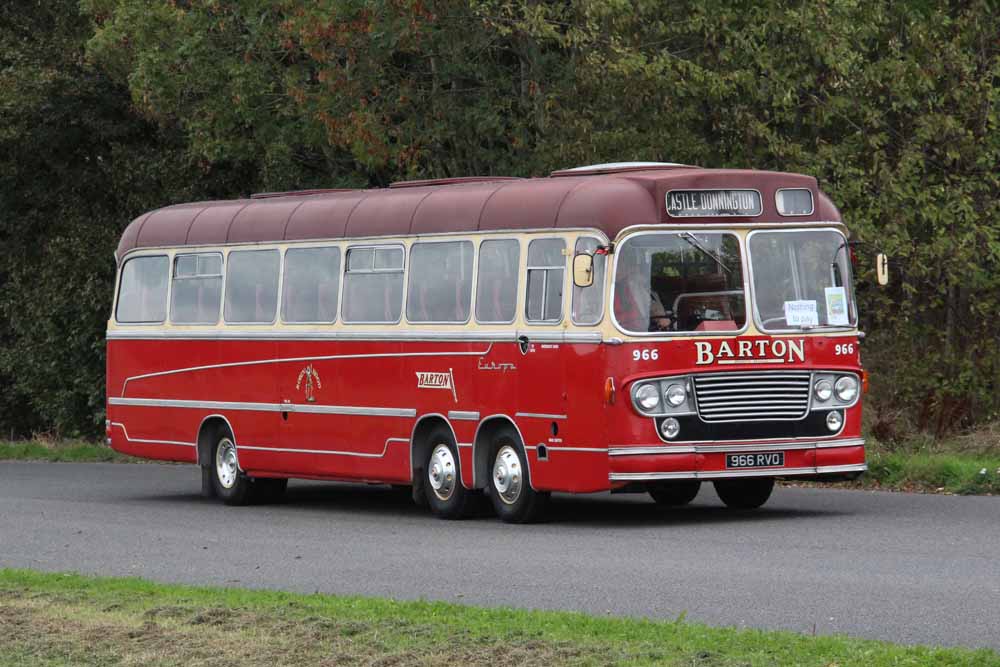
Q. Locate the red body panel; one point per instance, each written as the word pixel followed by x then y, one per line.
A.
pixel 553 393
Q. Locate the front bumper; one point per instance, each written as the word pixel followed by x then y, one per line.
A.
pixel 803 458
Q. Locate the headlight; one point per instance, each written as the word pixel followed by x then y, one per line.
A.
pixel 846 388
pixel 823 390
pixel 675 395
pixel 670 428
pixel 834 420
pixel 647 396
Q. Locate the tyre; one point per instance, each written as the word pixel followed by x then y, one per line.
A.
pixel 745 494
pixel 674 494
pixel 509 487
pixel 229 482
pixel 446 496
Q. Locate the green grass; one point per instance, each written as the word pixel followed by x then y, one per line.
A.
pixel 56 619
pixel 60 451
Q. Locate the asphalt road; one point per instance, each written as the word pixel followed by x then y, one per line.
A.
pixel 902 567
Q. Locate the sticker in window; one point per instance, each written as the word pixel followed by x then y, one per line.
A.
pixel 801 313
pixel 836 306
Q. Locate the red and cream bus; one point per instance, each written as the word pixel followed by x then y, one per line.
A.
pixel 632 327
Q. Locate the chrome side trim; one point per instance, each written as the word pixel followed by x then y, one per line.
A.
pixel 152 442
pixel 643 450
pixel 366 455
pixel 460 415
pixel 265 407
pixel 538 415
pixel 722 474
pixel 593 450
pixel 259 362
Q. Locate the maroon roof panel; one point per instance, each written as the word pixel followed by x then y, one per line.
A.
pixel 452 209
pixel 168 226
pixel 263 220
pixel 610 202
pixel 527 204
pixel 212 224
pixel 610 205
pixel 386 212
pixel 323 217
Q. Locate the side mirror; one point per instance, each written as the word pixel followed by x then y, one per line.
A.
pixel 583 270
pixel 882 269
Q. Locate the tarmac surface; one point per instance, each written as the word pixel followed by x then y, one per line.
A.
pixel 915 569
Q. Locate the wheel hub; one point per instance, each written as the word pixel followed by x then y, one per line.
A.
pixel 226 465
pixel 507 478
pixel 441 472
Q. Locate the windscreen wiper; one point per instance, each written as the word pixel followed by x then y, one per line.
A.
pixel 690 238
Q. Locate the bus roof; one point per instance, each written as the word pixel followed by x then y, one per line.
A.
pixel 606 197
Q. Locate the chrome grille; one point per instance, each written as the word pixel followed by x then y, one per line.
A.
pixel 768 396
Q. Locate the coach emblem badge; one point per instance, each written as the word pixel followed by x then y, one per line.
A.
pixel 309 374
pixel 428 380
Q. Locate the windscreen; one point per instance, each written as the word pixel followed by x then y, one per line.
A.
pixel 801 279
pixel 680 281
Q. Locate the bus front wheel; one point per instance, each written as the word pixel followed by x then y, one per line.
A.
pixel 674 494
pixel 509 488
pixel 745 494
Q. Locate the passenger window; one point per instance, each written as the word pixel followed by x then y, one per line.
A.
pixel 142 295
pixel 588 302
pixel 440 286
pixel 312 280
pixel 252 286
pixel 496 288
pixel 373 285
pixel 196 294
pixel 546 269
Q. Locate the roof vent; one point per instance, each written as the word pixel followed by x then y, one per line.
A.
pixel 298 193
pixel 452 181
pixel 615 167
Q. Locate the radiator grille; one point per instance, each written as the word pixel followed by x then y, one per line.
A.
pixel 773 396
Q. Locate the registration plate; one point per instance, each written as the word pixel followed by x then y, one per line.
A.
pixel 756 460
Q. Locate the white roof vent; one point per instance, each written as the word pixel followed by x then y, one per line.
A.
pixel 611 167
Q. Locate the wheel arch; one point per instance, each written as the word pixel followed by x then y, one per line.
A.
pixel 481 448
pixel 209 426
pixel 420 445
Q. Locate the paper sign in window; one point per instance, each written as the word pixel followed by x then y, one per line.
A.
pixel 801 314
pixel 836 306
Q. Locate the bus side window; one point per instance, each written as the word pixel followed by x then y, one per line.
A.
pixel 196 293
pixel 142 295
pixel 546 273
pixel 312 280
pixel 251 286
pixel 588 302
pixel 373 285
pixel 440 285
pixel 496 287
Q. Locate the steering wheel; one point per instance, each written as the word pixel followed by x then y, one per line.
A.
pixel 772 319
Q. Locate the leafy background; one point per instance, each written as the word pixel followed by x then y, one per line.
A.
pixel 109 108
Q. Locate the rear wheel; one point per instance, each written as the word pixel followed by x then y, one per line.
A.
pixel 233 486
pixel 674 494
pixel 745 494
pixel 229 482
pixel 510 483
pixel 446 496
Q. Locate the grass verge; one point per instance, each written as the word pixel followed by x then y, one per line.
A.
pixel 60 451
pixel 54 620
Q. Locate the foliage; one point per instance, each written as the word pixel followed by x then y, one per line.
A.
pixel 891 105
